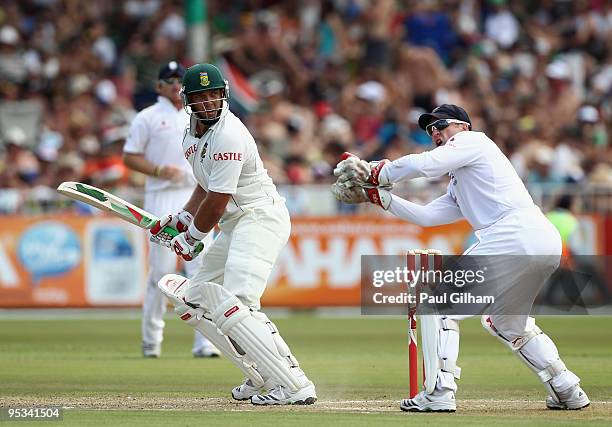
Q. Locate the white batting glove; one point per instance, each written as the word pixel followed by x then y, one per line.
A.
pixel 188 245
pixel 179 221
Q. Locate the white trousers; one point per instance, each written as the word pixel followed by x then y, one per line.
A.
pixel 524 232
pixel 243 254
pixel 163 261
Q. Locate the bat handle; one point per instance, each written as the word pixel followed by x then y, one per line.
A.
pixel 173 232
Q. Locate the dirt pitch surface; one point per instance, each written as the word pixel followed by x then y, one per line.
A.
pixel 465 407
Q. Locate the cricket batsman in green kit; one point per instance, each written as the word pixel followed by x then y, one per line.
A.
pixel 222 300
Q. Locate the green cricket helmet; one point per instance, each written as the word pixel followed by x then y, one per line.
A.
pixel 200 78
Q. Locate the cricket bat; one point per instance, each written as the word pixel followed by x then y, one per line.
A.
pixel 108 202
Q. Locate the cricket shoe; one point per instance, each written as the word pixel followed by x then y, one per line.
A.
pixel 279 395
pixel 204 352
pixel 152 351
pixel 423 402
pixel 574 398
pixel 246 390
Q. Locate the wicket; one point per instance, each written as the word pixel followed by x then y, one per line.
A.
pixel 417 259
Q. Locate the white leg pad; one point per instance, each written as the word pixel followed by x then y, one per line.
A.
pixel 235 320
pixel 281 345
pixel 440 342
pixel 195 318
pixel 174 286
pixel 540 354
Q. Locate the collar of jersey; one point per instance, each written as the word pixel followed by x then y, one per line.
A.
pixel 166 103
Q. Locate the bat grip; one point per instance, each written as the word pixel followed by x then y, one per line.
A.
pixel 173 232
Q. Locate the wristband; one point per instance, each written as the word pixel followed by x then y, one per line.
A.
pixel 156 171
pixel 195 233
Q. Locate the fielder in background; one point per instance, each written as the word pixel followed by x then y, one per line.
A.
pixel 153 148
pixel 223 299
pixel 484 189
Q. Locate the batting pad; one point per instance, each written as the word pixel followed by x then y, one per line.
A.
pixel 281 345
pixel 173 286
pixel 235 320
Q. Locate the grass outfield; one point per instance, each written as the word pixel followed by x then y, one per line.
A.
pixel 94 368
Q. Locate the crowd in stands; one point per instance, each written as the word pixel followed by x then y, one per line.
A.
pixel 323 77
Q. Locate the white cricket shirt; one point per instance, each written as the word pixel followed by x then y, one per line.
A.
pixel 226 160
pixel 156 132
pixel 484 187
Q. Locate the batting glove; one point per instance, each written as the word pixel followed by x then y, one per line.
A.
pixel 188 245
pixel 179 221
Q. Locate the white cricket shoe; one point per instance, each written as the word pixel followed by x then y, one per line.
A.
pixel 245 391
pixel 423 402
pixel 574 398
pixel 151 350
pixel 208 351
pixel 279 395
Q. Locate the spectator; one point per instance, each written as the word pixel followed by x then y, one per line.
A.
pixel 72 74
pixel 501 25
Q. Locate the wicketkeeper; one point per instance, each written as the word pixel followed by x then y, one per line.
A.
pixel 484 189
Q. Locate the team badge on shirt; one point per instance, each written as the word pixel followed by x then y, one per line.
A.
pixel 204 79
pixel 203 154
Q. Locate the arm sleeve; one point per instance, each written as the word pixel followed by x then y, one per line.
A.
pixel 138 137
pixel 228 159
pixel 442 210
pixel 459 151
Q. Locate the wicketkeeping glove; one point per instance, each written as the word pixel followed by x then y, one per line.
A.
pixel 349 195
pixel 359 172
pixel 179 221
pixel 188 245
pixel 358 182
pixel 359 194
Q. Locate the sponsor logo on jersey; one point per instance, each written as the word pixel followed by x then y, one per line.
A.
pixel 204 79
pixel 227 156
pixel 191 151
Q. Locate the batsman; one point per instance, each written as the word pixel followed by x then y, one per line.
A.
pixel 222 300
pixel 484 189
